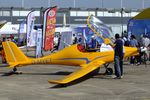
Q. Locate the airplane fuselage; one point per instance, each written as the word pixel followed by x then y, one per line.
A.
pixel 72 56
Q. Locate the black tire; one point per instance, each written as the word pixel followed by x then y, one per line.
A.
pixel 14 69
pixel 109 71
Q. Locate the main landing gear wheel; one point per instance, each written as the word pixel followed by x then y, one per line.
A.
pixel 109 71
pixel 14 71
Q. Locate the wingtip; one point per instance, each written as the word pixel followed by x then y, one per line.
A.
pixel 56 82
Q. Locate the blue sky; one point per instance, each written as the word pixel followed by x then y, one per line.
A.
pixel 133 4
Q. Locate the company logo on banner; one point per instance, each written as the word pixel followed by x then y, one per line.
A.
pixel 30 29
pixel 49 28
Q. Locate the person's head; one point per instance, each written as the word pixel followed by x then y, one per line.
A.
pixel 146 35
pixel 35 27
pixel 74 35
pixel 117 36
pixel 125 32
pixel 132 37
pixel 94 36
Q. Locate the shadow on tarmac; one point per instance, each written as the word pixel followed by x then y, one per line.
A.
pixel 93 74
pixel 24 73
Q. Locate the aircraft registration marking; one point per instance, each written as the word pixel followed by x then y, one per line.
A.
pixel 42 61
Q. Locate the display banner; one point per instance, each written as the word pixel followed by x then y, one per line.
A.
pixel 39 43
pixel 138 27
pixel 21 31
pixel 49 28
pixel 22 26
pixel 30 29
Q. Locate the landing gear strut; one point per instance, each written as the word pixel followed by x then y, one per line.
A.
pixel 109 71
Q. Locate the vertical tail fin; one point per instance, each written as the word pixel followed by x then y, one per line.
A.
pixel 13 53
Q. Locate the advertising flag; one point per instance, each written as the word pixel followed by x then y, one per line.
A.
pixel 49 28
pixel 22 26
pixel 30 29
pixel 39 43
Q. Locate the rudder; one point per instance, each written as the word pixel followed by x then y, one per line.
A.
pixel 13 53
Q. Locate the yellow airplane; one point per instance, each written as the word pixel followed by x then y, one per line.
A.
pixel 74 55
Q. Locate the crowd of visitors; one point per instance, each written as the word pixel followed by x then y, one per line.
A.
pixel 143 42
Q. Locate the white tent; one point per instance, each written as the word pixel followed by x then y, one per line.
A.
pixel 9 28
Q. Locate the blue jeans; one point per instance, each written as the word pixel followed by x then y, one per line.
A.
pixel 118 66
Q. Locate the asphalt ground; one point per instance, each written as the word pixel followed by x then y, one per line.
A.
pixel 33 84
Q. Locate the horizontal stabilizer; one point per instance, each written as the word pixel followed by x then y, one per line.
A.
pixel 86 68
pixel 12 66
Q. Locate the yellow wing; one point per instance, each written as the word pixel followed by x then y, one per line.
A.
pixel 85 69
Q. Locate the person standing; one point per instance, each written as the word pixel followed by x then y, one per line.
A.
pixel 133 43
pixel 118 57
pixel 2 53
pixel 146 43
pixel 93 42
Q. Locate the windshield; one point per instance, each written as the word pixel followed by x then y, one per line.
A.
pixel 101 29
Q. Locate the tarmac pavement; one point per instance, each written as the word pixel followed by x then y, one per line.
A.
pixel 33 85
